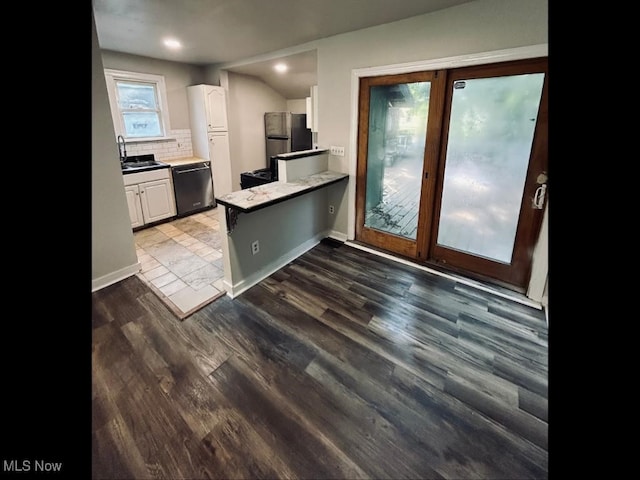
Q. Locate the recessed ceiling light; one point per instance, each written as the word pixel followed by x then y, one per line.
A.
pixel 172 43
pixel 281 67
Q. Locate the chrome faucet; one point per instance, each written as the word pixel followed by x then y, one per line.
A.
pixel 122 149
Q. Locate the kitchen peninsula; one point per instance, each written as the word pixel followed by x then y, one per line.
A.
pixel 269 225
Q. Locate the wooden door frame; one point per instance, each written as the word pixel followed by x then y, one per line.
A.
pixel 394 243
pixel 517 53
pixel 517 272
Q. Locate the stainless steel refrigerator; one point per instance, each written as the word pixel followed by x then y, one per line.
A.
pixel 286 132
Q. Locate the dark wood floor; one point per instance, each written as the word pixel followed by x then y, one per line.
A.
pixel 340 365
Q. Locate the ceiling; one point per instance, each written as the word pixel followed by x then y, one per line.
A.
pixel 234 31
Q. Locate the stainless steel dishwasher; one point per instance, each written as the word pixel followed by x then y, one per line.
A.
pixel 193 187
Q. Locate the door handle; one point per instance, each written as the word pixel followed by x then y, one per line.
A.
pixel 538 197
pixel 191 170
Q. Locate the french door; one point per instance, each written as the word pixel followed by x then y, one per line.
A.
pixel 452 166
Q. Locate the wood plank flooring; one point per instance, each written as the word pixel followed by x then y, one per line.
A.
pixel 342 364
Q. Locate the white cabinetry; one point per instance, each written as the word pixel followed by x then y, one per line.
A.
pixel 135 208
pixel 150 196
pixel 312 109
pixel 216 106
pixel 220 163
pixel 209 133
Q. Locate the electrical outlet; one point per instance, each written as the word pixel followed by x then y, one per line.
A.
pixel 339 151
pixel 255 247
pixel 331 209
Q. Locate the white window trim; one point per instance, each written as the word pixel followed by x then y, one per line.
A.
pixel 112 75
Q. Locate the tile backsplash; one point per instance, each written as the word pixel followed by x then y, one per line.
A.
pixel 165 149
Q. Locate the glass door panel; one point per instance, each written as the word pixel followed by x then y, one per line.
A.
pixel 398 147
pixel 491 130
pixel 396 139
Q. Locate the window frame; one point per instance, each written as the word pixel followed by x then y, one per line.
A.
pixel 112 76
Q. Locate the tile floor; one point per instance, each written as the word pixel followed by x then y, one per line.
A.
pixel 182 261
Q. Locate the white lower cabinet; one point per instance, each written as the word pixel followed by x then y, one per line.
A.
pixel 150 196
pixel 220 163
pixel 135 208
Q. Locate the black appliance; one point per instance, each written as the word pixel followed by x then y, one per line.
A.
pixel 193 187
pixel 260 176
pixel 286 132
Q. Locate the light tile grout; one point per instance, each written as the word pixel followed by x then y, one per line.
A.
pixel 169 283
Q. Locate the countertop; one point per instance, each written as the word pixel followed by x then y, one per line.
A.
pixel 174 162
pixel 261 196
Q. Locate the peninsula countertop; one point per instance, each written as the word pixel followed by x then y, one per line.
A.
pixel 261 196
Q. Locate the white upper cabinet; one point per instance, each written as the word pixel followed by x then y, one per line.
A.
pixel 207 113
pixel 216 102
pixel 207 108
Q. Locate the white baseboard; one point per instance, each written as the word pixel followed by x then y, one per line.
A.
pixel 256 277
pixel 339 236
pixel 113 277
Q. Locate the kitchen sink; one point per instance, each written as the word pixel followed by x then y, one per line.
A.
pixel 141 163
pixel 148 163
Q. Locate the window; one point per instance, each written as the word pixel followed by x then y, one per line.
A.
pixel 138 105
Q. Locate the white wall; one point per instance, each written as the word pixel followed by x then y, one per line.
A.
pixel 298 105
pixel 113 255
pixel 248 99
pixel 284 231
pixel 177 77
